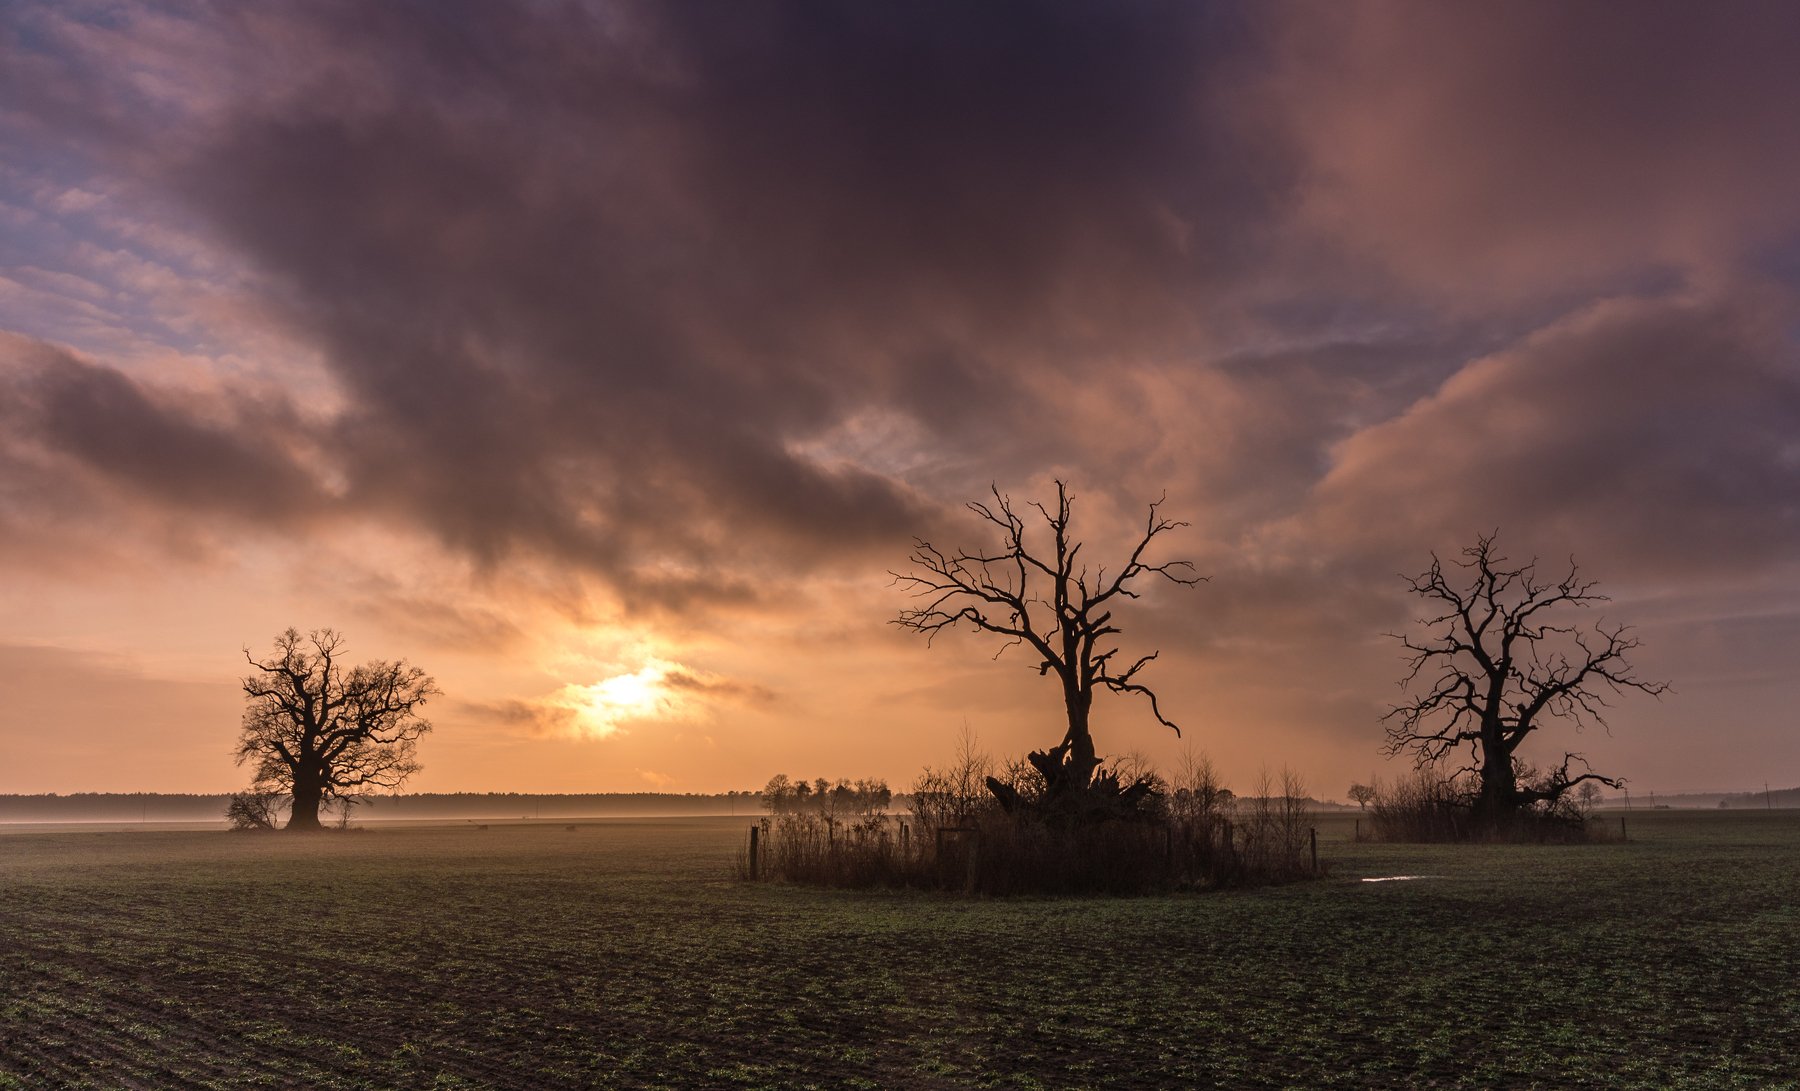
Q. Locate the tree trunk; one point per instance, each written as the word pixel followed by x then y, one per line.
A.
pixel 1079 766
pixel 307 795
pixel 1499 800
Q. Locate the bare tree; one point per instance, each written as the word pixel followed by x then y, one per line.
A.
pixel 1497 663
pixel 1046 598
pixel 1362 795
pixel 1587 798
pixel 318 731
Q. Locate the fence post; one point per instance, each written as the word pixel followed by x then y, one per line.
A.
pixel 905 835
pixel 1315 849
pixel 754 830
pixel 974 837
pixel 1358 835
pixel 1622 836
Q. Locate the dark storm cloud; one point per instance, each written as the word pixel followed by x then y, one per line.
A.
pixel 588 278
pixel 1659 433
pixel 219 452
pixel 98 471
pixel 629 288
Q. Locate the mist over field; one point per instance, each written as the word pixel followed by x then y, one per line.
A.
pixel 96 807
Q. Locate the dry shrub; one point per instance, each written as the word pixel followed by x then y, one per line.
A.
pixel 816 849
pixel 1430 806
pixel 1275 834
pixel 1189 836
pixel 956 795
pixel 255 810
pixel 1424 806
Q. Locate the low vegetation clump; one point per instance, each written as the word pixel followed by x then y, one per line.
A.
pixel 962 833
pixel 1429 806
pixel 253 811
pixel 826 833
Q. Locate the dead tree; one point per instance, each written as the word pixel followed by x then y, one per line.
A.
pixel 1044 597
pixel 1498 662
pixel 318 731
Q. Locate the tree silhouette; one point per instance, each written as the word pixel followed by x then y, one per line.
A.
pixel 319 732
pixel 1047 599
pixel 1497 663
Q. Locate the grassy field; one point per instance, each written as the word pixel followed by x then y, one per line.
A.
pixel 620 954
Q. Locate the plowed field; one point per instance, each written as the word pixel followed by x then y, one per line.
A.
pixel 620 954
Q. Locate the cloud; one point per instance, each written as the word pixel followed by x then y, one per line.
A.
pixel 1659 433
pixel 1532 149
pixel 729 691
pixel 538 718
pixel 231 453
pixel 685 320
pixel 591 284
pixel 659 692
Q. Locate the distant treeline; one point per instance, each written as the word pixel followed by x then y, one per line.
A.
pixel 1780 797
pixel 1777 798
pixel 166 807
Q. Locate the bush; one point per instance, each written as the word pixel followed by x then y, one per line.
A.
pixel 255 810
pixel 1189 835
pixel 1428 806
pixel 1422 807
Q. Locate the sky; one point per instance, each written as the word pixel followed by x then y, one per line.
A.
pixel 604 359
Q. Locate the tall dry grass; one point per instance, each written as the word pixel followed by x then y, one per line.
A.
pixel 1193 833
pixel 1427 805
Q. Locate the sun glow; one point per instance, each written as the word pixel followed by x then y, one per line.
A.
pixel 602 707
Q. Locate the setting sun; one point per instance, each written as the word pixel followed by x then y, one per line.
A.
pixel 600 708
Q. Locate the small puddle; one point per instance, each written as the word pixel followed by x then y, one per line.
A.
pixel 1398 878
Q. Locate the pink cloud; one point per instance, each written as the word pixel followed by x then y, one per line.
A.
pixel 1527 148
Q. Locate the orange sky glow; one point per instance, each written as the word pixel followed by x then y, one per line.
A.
pixel 603 361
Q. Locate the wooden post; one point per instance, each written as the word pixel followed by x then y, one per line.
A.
pixel 1622 836
pixel 905 835
pixel 974 837
pixel 754 830
pixel 1315 849
pixel 1358 836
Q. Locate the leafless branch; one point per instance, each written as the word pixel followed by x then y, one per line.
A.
pixel 1495 665
pixel 1043 598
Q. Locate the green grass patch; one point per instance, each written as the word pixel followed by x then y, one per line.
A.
pixel 621 954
